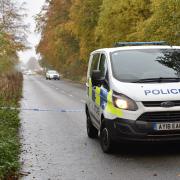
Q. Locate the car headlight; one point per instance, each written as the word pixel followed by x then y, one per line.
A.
pixel 123 102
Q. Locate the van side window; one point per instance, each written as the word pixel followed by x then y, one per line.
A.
pixel 94 64
pixel 104 70
pixel 103 65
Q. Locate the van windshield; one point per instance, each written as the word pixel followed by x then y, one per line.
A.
pixel 136 65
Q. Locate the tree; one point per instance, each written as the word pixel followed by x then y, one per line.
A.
pixel 71 29
pixel 57 46
pixel 12 32
pixel 119 19
pixel 11 20
pixel 84 15
pixel 164 24
pixel 42 17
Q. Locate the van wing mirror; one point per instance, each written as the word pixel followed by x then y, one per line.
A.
pixel 97 78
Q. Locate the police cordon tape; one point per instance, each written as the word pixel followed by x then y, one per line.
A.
pixel 41 110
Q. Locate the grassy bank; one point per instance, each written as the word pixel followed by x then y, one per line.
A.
pixel 10 94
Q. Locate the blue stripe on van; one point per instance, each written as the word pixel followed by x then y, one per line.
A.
pixel 103 94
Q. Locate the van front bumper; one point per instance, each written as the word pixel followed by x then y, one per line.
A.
pixel 130 130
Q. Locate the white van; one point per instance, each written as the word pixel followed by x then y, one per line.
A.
pixel 134 93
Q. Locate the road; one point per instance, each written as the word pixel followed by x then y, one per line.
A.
pixel 55 145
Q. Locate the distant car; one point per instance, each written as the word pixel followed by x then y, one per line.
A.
pixel 51 74
pixel 29 72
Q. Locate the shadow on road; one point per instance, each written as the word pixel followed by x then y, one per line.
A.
pixel 140 149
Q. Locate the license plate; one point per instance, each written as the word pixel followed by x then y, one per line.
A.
pixel 166 126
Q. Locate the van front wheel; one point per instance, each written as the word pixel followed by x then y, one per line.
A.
pixel 106 141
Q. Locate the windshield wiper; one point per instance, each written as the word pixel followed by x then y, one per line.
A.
pixel 159 80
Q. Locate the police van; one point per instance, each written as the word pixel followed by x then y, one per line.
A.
pixel 133 93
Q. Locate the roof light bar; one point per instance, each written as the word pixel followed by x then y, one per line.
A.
pixel 121 44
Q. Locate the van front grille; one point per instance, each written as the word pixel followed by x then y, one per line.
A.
pixel 158 103
pixel 162 116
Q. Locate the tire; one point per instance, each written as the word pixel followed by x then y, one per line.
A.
pixel 92 132
pixel 106 141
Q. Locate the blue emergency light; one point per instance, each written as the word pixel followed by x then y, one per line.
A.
pixel 121 44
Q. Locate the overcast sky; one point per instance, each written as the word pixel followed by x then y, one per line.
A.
pixel 33 7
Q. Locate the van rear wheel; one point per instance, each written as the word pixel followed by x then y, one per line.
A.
pixel 92 132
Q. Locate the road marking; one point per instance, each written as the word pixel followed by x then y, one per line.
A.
pixel 83 101
pixel 70 95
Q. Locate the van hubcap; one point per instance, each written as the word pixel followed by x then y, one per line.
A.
pixel 105 137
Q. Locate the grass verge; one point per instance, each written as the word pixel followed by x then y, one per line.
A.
pixel 10 95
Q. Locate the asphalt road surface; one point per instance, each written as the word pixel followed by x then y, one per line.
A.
pixel 55 145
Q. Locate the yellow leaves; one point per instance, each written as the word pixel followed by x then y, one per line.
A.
pixel 74 28
pixel 7 45
pixel 164 24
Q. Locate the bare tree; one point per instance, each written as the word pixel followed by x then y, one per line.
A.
pixel 11 20
pixel 42 17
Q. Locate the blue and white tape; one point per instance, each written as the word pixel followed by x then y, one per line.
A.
pixel 42 110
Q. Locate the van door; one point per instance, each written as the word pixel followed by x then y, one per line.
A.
pixel 94 64
pixel 97 99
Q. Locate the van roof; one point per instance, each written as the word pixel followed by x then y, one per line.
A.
pixel 109 50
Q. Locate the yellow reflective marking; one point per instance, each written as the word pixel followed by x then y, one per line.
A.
pixel 110 108
pixel 98 98
pixel 109 97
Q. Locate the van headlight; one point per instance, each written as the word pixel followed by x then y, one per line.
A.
pixel 123 102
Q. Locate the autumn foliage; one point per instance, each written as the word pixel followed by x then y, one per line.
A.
pixel 71 29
